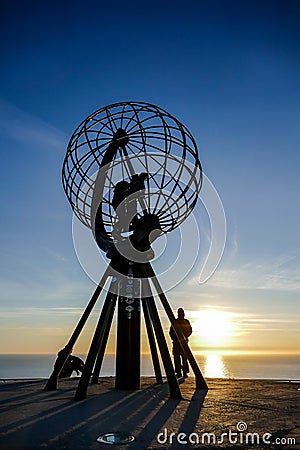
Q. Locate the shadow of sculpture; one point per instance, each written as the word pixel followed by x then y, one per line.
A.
pixel 55 421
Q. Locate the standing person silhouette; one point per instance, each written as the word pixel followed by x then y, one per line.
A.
pixel 180 360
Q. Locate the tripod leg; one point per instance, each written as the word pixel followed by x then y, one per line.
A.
pixel 100 331
pixel 103 343
pixel 200 382
pixel 164 351
pixel 63 356
pixel 152 343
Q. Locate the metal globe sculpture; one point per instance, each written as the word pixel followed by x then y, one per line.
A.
pixel 129 138
pixel 131 173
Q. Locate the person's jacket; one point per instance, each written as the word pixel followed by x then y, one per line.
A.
pixel 185 327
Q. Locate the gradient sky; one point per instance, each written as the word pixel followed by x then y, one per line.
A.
pixel 230 71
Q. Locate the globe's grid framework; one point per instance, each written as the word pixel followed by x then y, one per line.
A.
pixel 158 143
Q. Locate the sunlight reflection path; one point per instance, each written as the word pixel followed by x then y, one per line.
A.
pixel 214 366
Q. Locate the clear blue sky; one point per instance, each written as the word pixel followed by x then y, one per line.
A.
pixel 229 70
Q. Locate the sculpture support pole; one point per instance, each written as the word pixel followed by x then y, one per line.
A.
pixel 103 345
pixel 161 340
pixel 152 343
pixel 63 356
pixel 200 382
pixel 101 330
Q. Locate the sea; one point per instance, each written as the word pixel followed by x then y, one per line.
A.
pixel 212 365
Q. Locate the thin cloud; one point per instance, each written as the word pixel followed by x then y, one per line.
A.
pixel 14 313
pixel 278 274
pixel 21 126
pixel 35 292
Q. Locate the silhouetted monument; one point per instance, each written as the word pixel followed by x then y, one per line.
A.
pixel 131 174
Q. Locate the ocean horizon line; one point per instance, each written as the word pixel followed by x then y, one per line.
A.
pixel 195 352
pixel 212 365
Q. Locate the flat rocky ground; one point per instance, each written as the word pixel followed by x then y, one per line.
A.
pixel 236 414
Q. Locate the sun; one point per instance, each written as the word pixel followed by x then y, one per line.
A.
pixel 213 327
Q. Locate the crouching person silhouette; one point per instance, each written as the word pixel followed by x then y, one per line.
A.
pixel 180 361
pixel 73 363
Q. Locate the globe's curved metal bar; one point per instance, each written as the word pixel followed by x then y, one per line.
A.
pixel 153 136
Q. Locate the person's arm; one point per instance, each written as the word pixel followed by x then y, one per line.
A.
pixel 188 328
